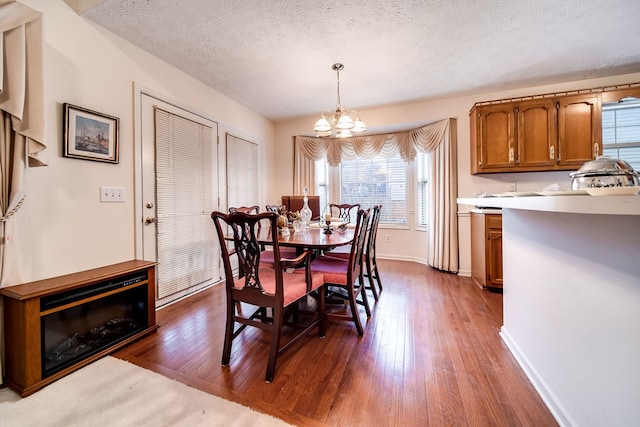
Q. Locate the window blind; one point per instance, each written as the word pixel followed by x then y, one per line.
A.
pixel 423 189
pixel 242 172
pixel 376 181
pixel 184 172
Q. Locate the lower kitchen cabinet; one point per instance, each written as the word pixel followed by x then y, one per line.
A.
pixel 486 249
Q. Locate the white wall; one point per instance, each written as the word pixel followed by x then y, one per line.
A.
pixel 572 311
pixel 69 230
pixel 407 244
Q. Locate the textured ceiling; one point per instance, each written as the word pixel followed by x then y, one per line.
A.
pixel 275 56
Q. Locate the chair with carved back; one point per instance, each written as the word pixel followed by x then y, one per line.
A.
pixel 369 253
pixel 343 278
pixel 267 256
pixel 345 212
pixel 265 287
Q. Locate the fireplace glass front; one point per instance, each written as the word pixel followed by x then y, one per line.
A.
pixel 77 331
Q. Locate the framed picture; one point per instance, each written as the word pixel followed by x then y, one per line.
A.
pixel 90 135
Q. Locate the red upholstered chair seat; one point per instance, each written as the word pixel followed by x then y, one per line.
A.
pixel 334 270
pixel 266 256
pixel 294 285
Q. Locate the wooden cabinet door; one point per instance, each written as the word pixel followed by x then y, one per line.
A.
pixel 579 129
pixel 494 259
pixel 486 250
pixel 478 250
pixel 494 251
pixel 496 137
pixel 537 134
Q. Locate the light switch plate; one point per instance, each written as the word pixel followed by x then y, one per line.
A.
pixel 112 194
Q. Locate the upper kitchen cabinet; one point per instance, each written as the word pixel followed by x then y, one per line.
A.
pixel 537 136
pixel 579 129
pixel 549 132
pixel 493 137
pixel 513 136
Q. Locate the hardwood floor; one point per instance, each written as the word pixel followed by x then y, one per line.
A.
pixel 431 356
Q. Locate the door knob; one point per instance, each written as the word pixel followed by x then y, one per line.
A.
pixel 149 220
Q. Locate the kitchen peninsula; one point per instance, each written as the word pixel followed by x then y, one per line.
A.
pixel 572 301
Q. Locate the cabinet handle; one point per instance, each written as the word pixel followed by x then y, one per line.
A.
pixel 510 155
pixel 552 152
pixel 596 150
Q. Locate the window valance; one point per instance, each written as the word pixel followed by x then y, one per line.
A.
pixel 438 138
pixel 405 143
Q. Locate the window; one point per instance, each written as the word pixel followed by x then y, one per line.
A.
pixel 377 181
pixel 422 210
pixel 621 131
pixel 322 182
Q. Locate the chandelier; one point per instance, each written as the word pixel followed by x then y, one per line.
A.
pixel 340 123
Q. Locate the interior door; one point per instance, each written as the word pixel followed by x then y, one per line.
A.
pixel 177 232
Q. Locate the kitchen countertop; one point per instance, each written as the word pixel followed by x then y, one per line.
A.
pixel 582 204
pixel 486 211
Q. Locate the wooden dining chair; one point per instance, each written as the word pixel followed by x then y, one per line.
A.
pixel 264 287
pixel 369 254
pixel 343 211
pixel 343 278
pixel 371 264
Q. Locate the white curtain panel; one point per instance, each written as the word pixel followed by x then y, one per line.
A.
pixel 21 131
pixel 304 170
pixel 439 139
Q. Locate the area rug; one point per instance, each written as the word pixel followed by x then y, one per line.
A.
pixel 112 392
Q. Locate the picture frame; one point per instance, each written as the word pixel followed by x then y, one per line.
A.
pixel 90 135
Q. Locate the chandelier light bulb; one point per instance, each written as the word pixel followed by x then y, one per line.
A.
pixel 322 125
pixel 344 133
pixel 344 122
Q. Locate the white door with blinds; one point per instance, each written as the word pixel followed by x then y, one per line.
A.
pixel 179 192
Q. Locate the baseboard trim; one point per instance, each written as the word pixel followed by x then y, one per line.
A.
pixel 402 258
pixel 465 273
pixel 556 408
pixel 462 273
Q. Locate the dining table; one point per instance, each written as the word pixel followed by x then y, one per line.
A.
pixel 313 237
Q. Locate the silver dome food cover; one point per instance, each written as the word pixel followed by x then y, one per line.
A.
pixel 604 172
